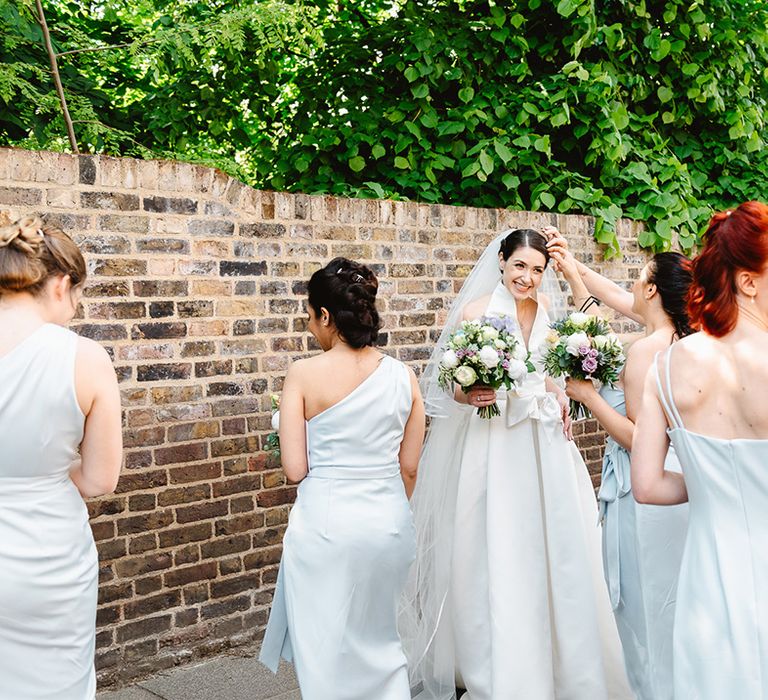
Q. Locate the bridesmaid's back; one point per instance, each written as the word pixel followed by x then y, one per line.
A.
pixel 41 424
pixel 365 428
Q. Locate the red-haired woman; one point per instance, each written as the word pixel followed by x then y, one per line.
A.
pixel 707 393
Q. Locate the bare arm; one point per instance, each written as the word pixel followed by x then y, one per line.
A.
pixel 293 432
pixel 596 284
pixel 650 482
pixel 101 452
pixel 619 427
pixel 413 439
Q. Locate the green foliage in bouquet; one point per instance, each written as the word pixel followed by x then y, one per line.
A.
pixel 272 442
pixel 583 346
pixel 484 352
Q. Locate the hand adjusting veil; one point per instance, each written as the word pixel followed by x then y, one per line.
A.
pixel 425 614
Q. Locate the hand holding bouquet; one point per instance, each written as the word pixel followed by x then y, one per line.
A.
pixel 484 352
pixel 584 347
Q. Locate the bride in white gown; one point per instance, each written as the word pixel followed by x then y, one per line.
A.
pixel 507 597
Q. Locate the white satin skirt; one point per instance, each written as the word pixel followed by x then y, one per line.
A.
pixel 530 612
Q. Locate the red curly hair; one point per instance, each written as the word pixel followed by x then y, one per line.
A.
pixel 735 240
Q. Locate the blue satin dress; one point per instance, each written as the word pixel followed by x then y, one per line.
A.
pixel 347 550
pixel 642 550
pixel 721 621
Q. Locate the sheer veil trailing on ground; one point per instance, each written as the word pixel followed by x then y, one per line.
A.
pixel 425 615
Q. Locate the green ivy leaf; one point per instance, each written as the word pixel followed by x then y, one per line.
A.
pixel 547 200
pixel 356 164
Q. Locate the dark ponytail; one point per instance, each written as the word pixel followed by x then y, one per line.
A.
pixel 347 290
pixel 671 273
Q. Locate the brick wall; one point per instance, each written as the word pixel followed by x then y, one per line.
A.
pixel 196 287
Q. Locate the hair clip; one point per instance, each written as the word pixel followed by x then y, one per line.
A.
pixel 358 278
pixel 338 272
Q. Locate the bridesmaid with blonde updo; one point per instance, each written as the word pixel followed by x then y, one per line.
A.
pixel 61 442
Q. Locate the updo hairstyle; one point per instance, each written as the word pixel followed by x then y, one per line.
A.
pixel 524 238
pixel 347 290
pixel 32 252
pixel 671 273
pixel 735 240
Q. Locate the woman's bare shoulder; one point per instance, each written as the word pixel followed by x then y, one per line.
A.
pixel 475 309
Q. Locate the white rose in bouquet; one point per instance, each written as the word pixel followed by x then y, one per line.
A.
pixel 488 356
pixel 449 360
pixel 576 341
pixel 500 344
pixel 489 333
pixel 465 376
pixel 600 342
pixel 517 370
pixel 520 353
pixel 579 319
pixel 276 420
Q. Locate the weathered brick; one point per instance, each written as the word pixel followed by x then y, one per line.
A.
pixel 146 627
pixel 157 372
pixel 170 205
pixel 109 200
pixel 190 574
pixel 230 268
pixel 169 329
pixel 20 196
pixel 190 452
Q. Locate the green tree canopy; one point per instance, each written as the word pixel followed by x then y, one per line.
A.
pixel 650 109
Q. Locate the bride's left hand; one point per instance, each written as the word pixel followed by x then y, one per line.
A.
pixel 565 414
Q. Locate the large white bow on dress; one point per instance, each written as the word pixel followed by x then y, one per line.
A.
pixel 536 404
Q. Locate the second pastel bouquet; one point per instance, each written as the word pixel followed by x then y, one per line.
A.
pixel 584 347
pixel 485 352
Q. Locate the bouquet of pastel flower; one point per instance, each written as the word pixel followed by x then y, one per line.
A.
pixel 272 443
pixel 484 352
pixel 584 347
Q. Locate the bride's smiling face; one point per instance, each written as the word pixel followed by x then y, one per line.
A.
pixel 522 271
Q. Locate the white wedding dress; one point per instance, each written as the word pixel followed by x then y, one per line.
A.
pixel 526 614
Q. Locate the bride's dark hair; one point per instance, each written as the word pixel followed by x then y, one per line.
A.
pixel 347 289
pixel 524 238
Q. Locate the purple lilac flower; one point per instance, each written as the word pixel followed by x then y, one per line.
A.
pixel 589 364
pixel 584 350
pixel 593 354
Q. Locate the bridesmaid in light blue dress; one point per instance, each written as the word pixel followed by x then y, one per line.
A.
pixel 642 544
pixel 351 429
pixel 61 441
pixel 707 394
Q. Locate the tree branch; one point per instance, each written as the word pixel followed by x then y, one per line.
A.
pixel 56 76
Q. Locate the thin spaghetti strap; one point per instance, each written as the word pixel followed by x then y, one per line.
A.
pixel 675 414
pixel 660 389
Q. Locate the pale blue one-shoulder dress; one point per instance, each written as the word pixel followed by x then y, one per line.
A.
pixel 347 550
pixel 642 550
pixel 721 620
pixel 49 567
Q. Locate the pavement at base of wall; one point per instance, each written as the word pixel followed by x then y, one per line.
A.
pixel 226 677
